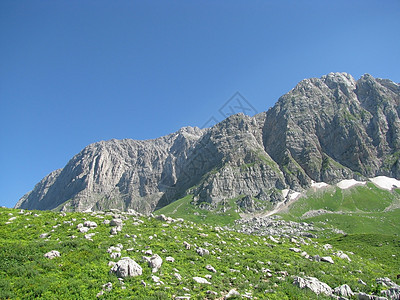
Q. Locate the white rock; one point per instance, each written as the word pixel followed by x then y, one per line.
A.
pixel 211 268
pixel 115 255
pixel 313 284
pixel 126 267
pixel 232 293
pixel 155 262
pixel 327 259
pixel 297 250
pixel 342 255
pixel 84 229
pixel 52 254
pixel 90 224
pixel 116 222
pixel 170 259
pixel 344 290
pixel 201 280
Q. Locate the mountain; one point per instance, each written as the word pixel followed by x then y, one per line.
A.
pixel 325 129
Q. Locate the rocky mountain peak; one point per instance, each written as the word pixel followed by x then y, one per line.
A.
pixel 325 129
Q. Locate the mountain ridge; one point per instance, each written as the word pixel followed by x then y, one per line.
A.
pixel 324 129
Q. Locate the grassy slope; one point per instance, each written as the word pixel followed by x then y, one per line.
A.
pixel 359 210
pixel 82 268
pixel 183 208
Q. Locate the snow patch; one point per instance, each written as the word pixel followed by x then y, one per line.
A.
pixel 285 192
pixel 318 185
pixel 294 195
pixel 348 183
pixel 386 183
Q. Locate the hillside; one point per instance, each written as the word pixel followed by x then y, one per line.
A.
pixel 324 130
pixel 178 259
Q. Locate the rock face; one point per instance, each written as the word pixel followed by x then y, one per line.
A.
pixel 325 129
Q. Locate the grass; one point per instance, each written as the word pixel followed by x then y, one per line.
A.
pixel 366 198
pixel 184 208
pixel 82 269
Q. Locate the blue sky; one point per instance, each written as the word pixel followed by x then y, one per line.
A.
pixel 76 72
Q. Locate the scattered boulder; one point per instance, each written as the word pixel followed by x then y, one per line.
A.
pixel 84 229
pixel 232 293
pixel 344 291
pixel 126 267
pixel 342 255
pixel 201 251
pixel 43 235
pixel 327 259
pixel 297 250
pixel 89 236
pixel 116 222
pixel 211 268
pixel 115 255
pixel 155 262
pixel 201 280
pixel 52 254
pixel 187 245
pixel 170 259
pixel 90 224
pixel 313 284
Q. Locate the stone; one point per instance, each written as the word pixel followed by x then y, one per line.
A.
pixel 187 245
pixel 178 276
pixel 297 250
pixel 155 262
pixel 116 222
pixel 201 251
pixel 211 268
pixel 52 254
pixel 231 294
pixel 90 224
pixel 115 255
pixel 313 284
pixel 170 259
pixel 126 267
pixel 43 235
pixel 364 296
pixel 344 290
pixel 84 229
pixel 201 280
pixel 342 255
pixel 327 259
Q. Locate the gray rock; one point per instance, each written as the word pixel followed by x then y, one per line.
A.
pixel 232 293
pixel 391 293
pixel 126 267
pixel 201 251
pixel 52 254
pixel 313 284
pixel 155 262
pixel 90 224
pixel 201 280
pixel 364 296
pixel 211 268
pixel 327 259
pixel 344 290
pixel 116 222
